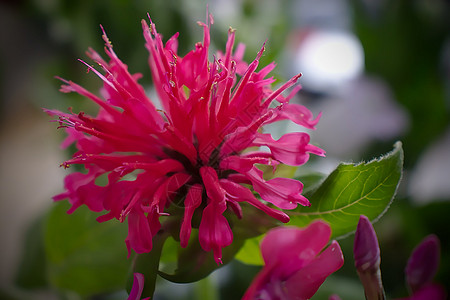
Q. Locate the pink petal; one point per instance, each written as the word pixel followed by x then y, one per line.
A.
pixel 245 163
pixel 294 269
pixel 168 190
pixel 292 148
pixel 237 141
pixel 259 284
pixel 305 282
pixel 214 231
pixel 192 201
pixel 81 189
pixel 212 186
pixel 138 286
pixel 239 193
pixel 292 248
pixel 72 136
pixel 139 234
pixel 284 193
pixel 296 113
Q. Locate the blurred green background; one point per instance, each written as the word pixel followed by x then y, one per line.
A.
pixel 391 81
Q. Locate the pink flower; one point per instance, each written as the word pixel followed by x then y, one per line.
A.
pixel 295 265
pixel 193 152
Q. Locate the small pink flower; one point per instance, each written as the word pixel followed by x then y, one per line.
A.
pixel 193 153
pixel 296 263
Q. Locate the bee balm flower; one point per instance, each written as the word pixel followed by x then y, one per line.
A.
pixel 193 151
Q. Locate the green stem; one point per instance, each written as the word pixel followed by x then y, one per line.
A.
pixel 373 286
pixel 148 264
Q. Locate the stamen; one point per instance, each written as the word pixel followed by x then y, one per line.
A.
pixel 272 96
pixel 105 38
pixel 98 74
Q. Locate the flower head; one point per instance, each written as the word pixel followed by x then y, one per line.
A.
pixel 194 151
pixel 295 262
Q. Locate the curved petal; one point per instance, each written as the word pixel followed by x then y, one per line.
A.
pixel 192 201
pixel 245 163
pixel 291 248
pixel 139 234
pixel 297 113
pixel 81 189
pixel 284 193
pixel 214 231
pixel 293 269
pixel 138 286
pixel 240 193
pixel 292 148
pixel 305 282
pixel 212 186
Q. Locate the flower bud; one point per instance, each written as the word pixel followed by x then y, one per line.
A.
pixel 423 263
pixel 367 259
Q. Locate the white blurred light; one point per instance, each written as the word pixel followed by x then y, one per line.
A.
pixel 429 181
pixel 328 58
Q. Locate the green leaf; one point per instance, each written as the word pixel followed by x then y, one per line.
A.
pixel 250 253
pixel 206 289
pixel 311 181
pixel 33 264
pixel 347 288
pixel 353 190
pixel 83 255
